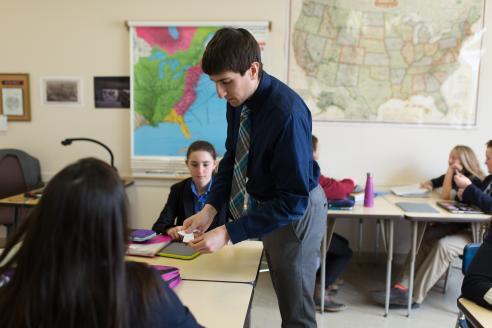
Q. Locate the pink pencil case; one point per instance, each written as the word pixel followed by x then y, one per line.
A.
pixel 169 274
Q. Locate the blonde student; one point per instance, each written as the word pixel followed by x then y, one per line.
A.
pixel 70 269
pixel 461 160
pixel 190 195
pixel 441 242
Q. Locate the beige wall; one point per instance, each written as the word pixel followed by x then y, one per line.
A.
pixel 89 38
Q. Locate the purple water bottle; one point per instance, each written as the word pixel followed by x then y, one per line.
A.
pixel 369 192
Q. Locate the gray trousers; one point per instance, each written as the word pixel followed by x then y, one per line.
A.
pixel 292 253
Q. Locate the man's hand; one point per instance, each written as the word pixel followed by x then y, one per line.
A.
pixel 173 232
pixel 461 181
pixel 211 241
pixel 201 220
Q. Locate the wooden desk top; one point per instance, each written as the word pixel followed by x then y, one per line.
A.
pixel 21 200
pixel 382 209
pixel 441 215
pixel 233 263
pixel 216 304
pixel 479 316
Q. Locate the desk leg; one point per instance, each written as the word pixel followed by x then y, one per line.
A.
pixel 476 232
pixel 376 245
pixel 324 247
pixel 359 242
pixel 390 225
pixel 412 265
pixel 384 234
pixel 417 237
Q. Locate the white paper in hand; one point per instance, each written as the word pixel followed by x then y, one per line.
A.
pixel 187 237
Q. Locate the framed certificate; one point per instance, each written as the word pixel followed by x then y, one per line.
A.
pixel 14 97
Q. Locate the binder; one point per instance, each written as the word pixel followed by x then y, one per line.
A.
pixel 178 250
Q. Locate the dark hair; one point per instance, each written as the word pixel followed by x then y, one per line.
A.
pixel 201 145
pixel 314 142
pixel 70 269
pixel 231 49
pixel 489 144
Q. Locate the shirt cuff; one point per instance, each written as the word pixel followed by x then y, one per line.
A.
pixel 488 296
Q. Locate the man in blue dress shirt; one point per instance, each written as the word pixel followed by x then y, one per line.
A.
pixel 287 208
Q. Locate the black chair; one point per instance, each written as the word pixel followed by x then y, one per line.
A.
pixel 19 172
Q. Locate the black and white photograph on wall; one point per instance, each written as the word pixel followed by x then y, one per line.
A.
pixel 61 91
pixel 112 92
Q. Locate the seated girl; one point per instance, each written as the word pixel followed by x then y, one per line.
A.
pixel 70 268
pixel 189 196
pixel 441 242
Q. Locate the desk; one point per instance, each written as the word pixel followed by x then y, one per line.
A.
pixel 383 210
pixel 216 304
pixel 233 263
pixel 217 287
pixel 419 224
pixel 478 316
pixel 20 200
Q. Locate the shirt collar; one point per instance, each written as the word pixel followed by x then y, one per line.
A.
pixel 195 191
pixel 256 100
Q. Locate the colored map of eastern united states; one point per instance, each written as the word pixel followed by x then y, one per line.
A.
pixel 387 60
pixel 174 101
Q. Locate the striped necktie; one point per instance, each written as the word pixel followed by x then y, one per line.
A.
pixel 238 188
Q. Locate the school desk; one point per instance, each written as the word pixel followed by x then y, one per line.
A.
pixel 21 200
pixel 217 304
pixel 419 222
pixel 233 263
pixel 478 316
pixel 382 210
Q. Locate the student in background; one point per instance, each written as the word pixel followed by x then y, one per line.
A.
pixel 339 253
pixel 477 284
pixel 189 196
pixel 461 160
pixel 442 242
pixel 472 194
pixel 70 269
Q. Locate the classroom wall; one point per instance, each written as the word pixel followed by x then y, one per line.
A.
pixel 89 38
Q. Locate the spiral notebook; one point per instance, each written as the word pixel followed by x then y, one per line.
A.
pixel 458 208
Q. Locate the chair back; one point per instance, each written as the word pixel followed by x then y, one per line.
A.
pixel 19 172
pixel 468 254
pixel 11 176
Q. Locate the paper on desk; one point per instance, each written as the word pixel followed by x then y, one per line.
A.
pixel 187 237
pixel 3 122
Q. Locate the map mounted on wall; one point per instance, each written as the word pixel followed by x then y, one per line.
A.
pixel 173 103
pixel 387 61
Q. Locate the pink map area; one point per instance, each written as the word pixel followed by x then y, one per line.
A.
pixel 160 36
pixel 189 95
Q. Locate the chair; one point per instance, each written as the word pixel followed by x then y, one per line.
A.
pixel 469 253
pixel 19 172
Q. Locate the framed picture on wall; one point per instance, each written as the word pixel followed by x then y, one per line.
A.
pixel 112 91
pixel 14 97
pixel 61 91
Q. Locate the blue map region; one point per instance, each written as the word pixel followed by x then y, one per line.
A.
pixel 206 120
